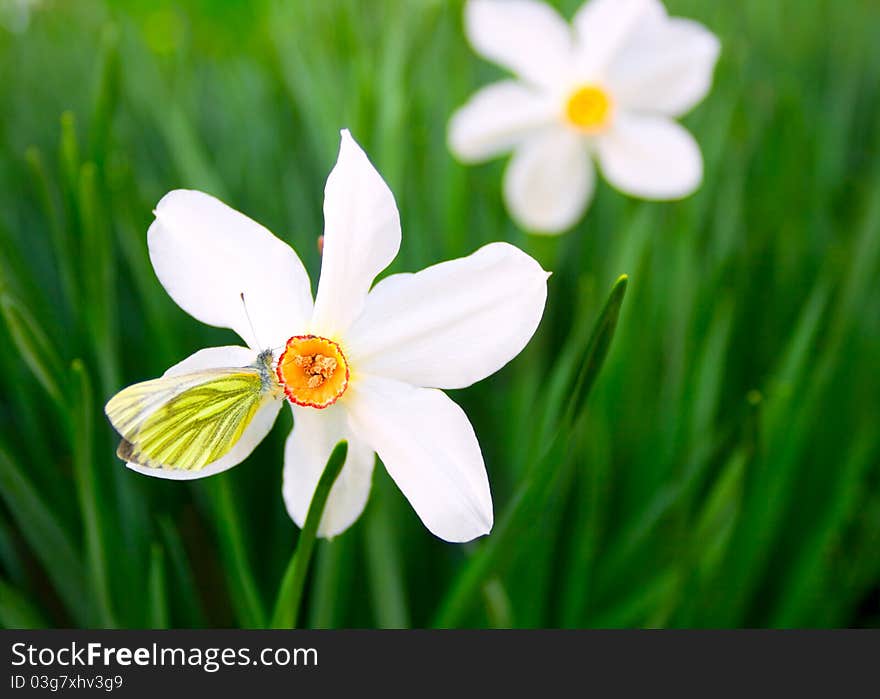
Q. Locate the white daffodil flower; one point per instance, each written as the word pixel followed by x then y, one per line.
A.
pixel 608 88
pixel 357 364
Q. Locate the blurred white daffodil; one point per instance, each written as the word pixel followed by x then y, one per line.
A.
pixel 358 364
pixel 608 88
pixel 15 15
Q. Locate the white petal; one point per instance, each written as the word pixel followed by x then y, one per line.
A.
pixel 451 324
pixel 497 118
pixel 666 67
pixel 525 36
pixel 361 238
pixel 429 448
pixel 603 27
pixel 650 157
pixel 315 433
pixel 549 181
pixel 215 358
pixel 207 254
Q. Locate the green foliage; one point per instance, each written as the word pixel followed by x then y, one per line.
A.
pixel 725 469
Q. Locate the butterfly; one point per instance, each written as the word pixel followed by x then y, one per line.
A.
pixel 190 420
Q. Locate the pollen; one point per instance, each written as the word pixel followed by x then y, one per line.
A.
pixel 589 109
pixel 313 371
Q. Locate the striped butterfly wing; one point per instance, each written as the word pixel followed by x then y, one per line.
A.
pixel 186 421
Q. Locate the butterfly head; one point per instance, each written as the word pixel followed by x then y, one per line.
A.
pixel 265 364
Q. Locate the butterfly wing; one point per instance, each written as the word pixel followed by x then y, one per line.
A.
pixel 186 421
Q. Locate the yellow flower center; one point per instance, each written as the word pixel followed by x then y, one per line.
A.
pixel 589 108
pixel 313 371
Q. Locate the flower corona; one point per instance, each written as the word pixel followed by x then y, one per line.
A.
pixel 313 371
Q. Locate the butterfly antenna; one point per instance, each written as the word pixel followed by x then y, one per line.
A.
pixel 250 322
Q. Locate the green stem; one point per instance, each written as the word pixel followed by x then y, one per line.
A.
pixel 290 592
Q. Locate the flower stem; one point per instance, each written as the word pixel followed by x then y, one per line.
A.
pixel 290 591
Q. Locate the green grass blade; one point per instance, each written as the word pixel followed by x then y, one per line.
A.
pixel 384 564
pixel 796 360
pixel 16 611
pixel 498 609
pixel 591 504
pixel 84 467
pixel 784 414
pixel 97 273
pixel 158 599
pixel 714 524
pixel 531 495
pixel 184 586
pixel 636 609
pixel 10 559
pixel 596 351
pixel 245 594
pixel 32 343
pixel 59 234
pixel 69 165
pixel 331 588
pixel 807 576
pixel 106 96
pixel 47 538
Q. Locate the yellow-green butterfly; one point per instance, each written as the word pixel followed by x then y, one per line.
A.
pixel 191 420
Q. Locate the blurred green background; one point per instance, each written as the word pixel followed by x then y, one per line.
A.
pixel 725 470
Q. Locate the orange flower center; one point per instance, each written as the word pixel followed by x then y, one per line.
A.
pixel 313 371
pixel 589 108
